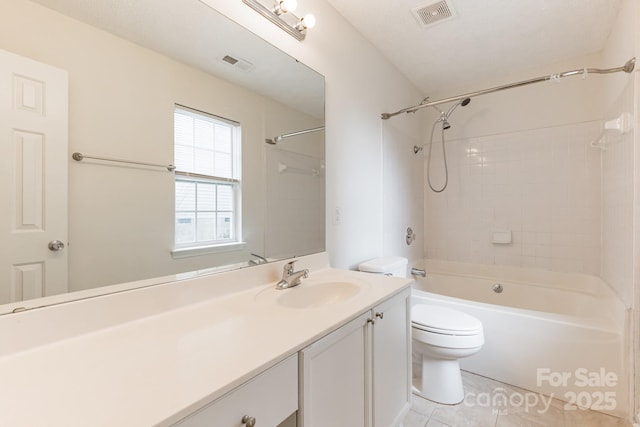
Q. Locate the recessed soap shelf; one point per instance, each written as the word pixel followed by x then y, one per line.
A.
pixel 502 237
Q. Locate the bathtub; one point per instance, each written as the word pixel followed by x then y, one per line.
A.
pixel 562 335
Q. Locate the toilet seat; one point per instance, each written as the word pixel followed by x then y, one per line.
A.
pixel 445 321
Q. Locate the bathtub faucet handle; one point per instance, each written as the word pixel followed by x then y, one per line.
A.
pixel 418 272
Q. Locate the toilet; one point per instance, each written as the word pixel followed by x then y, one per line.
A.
pixel 440 336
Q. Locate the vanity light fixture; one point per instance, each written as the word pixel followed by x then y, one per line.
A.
pixel 281 14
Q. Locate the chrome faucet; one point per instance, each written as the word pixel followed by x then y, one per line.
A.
pixel 260 260
pixel 418 272
pixel 291 278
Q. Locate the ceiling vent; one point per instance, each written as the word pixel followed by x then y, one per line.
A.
pixel 432 13
pixel 239 63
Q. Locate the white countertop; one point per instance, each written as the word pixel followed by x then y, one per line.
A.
pixel 158 368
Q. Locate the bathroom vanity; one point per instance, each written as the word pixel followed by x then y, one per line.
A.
pixel 223 349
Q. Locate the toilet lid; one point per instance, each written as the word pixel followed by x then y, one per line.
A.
pixel 444 320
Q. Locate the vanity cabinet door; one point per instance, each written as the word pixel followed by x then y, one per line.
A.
pixel 269 398
pixel 391 356
pixel 360 374
pixel 335 377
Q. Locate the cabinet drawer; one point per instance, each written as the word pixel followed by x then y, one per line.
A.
pixel 270 398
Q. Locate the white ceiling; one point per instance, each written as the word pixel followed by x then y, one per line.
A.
pixel 486 38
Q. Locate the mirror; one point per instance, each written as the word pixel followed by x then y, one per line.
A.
pixel 129 63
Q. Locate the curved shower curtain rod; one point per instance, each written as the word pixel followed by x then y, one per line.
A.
pixel 627 68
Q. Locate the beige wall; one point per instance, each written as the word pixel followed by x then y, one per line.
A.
pixel 618 162
pixel 635 324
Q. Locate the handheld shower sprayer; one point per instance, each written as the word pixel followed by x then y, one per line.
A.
pixel 444 118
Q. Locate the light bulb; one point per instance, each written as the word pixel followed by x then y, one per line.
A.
pixel 289 5
pixel 284 6
pixel 309 21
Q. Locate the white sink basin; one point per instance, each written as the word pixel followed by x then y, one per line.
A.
pixel 314 295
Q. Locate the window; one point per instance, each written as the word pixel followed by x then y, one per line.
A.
pixel 207 182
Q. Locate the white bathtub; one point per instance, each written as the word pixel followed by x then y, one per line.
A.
pixel 562 335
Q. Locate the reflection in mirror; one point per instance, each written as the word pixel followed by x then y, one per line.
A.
pixel 127 65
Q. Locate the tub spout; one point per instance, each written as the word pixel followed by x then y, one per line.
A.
pixel 418 272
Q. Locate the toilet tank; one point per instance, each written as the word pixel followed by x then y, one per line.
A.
pixel 390 265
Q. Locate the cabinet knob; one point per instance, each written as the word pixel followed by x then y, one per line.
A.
pixel 380 315
pixel 248 421
pixel 372 321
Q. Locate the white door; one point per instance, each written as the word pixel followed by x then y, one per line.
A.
pixel 33 178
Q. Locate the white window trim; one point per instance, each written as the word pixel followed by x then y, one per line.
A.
pixel 187 250
pixel 205 250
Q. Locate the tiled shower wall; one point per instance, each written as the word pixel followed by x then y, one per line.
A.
pixel 543 185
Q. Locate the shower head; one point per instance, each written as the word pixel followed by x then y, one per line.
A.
pixel 445 124
pixel 464 103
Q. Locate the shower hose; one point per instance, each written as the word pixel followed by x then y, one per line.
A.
pixel 444 157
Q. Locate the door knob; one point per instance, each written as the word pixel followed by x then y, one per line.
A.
pixel 248 421
pixel 56 245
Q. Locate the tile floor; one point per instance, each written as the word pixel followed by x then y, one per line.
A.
pixel 474 412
